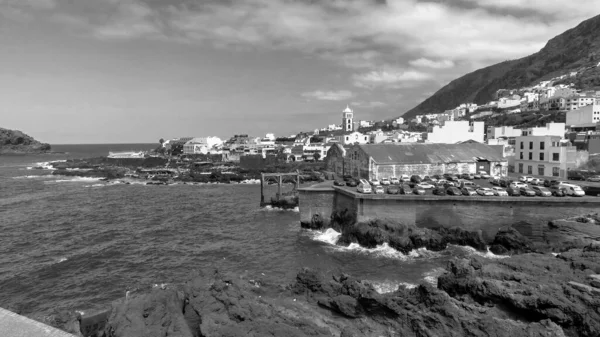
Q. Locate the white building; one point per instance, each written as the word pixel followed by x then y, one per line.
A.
pixel 353 138
pixel 550 129
pixel 549 156
pixel 503 132
pixel 585 115
pixel 201 145
pixel 456 131
pixel 578 101
pixel 507 103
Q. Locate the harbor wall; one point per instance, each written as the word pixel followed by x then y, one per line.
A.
pixel 530 216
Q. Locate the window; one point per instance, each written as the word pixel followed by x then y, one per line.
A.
pixel 520 167
pixel 529 169
pixel 530 155
pixel 555 171
pixel 556 157
pixel 521 155
pixel 521 145
pixel 531 145
pixel 542 145
pixel 541 156
pixel 541 170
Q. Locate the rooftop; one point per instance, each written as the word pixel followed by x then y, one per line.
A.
pixel 420 153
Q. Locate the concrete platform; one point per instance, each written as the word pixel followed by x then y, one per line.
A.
pixel 14 325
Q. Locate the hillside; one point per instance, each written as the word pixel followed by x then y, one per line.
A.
pixel 577 49
pixel 13 141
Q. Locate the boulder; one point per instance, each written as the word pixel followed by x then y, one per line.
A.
pixel 510 240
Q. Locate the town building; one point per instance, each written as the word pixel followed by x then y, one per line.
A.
pixel 377 161
pixel 588 114
pixel 201 145
pixel 550 129
pixel 575 102
pixel 457 131
pixel 348 119
pixel 507 132
pixel 352 138
pixel 548 156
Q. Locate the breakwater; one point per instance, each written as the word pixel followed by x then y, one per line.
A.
pixel 530 216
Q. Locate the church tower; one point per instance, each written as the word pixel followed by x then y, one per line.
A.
pixel 348 119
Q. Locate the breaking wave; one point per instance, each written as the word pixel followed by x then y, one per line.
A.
pixel 42 176
pixel 431 276
pixel 271 208
pixel 487 254
pixel 386 287
pixel 75 180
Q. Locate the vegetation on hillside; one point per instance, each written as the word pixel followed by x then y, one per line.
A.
pixel 577 49
pixel 13 141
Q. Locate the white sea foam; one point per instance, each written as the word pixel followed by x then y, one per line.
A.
pixel 277 209
pixel 95 185
pixel 43 176
pixel 487 254
pixel 62 259
pixel 431 276
pixel 386 287
pixel 77 179
pixel 329 236
pixel 250 181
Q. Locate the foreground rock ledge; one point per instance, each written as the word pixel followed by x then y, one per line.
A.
pixel 524 295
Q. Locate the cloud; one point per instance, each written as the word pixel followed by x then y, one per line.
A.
pixel 427 63
pixel 340 95
pixel 369 105
pixel 393 78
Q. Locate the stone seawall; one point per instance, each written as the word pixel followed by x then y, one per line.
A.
pixel 530 216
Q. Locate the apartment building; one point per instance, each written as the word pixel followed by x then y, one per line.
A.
pixel 588 114
pixel 549 156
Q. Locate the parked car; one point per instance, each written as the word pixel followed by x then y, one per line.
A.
pixel 338 182
pixel 437 176
pixel 485 191
pixel 525 179
pixel 559 192
pixel 419 190
pixel 379 189
pixel 425 185
pixel 499 191
pixel 426 178
pixel 467 176
pixel 404 178
pixel 484 175
pixel 518 184
pixel 575 175
pixel 465 183
pixel 364 188
pixel 440 190
pixel 468 191
pixel 592 190
pixel 513 191
pixel 375 182
pixel 527 191
pixel 573 190
pixel 385 182
pixel 536 181
pixel 453 191
pixel 405 189
pixel 394 181
pixel 477 176
pixel 541 191
pixel 393 190
pixel 347 177
pixel 505 182
pixel 352 183
pixel 494 181
pixel 594 179
pixel 416 179
pixel 453 177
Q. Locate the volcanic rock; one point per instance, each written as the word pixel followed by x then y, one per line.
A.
pixel 509 240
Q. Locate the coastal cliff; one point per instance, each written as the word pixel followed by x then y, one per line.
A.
pixel 528 292
pixel 15 142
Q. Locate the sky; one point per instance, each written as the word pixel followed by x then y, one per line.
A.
pixel 131 71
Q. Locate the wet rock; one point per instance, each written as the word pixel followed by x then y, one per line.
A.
pixel 563 235
pixel 509 240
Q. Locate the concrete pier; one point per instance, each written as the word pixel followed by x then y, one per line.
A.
pixel 488 214
pixel 14 325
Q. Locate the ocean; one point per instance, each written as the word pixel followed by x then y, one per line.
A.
pixel 70 244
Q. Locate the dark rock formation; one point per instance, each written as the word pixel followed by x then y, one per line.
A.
pixel 405 238
pixel 532 288
pixel 509 240
pixel 13 141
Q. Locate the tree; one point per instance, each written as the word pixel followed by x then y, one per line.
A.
pixel 161 141
pixel 317 156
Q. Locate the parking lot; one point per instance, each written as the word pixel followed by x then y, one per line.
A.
pixel 486 183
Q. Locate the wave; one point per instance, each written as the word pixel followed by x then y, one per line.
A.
pixel 75 180
pixel 487 254
pixel 386 287
pixel 250 181
pixel 45 165
pixel 431 276
pixel 96 185
pixel 42 176
pixel 277 209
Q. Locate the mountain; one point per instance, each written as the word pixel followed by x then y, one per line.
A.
pixel 577 49
pixel 13 141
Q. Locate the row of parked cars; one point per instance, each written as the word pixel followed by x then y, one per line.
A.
pixel 457 185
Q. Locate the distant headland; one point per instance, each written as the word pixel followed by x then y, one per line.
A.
pixel 17 142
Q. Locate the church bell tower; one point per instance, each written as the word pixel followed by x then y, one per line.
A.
pixel 348 119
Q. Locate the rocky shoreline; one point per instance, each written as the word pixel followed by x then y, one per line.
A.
pixel 539 289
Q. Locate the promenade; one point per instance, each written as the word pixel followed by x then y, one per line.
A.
pixel 15 325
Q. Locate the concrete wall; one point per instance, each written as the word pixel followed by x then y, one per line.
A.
pixel 471 213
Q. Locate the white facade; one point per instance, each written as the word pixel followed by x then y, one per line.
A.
pixel 578 101
pixel 456 131
pixel 201 145
pixel 503 131
pixel 506 103
pixel 551 129
pixel 353 138
pixel 585 115
pixel 548 156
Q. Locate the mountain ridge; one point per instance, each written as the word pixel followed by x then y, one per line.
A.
pixel 576 49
